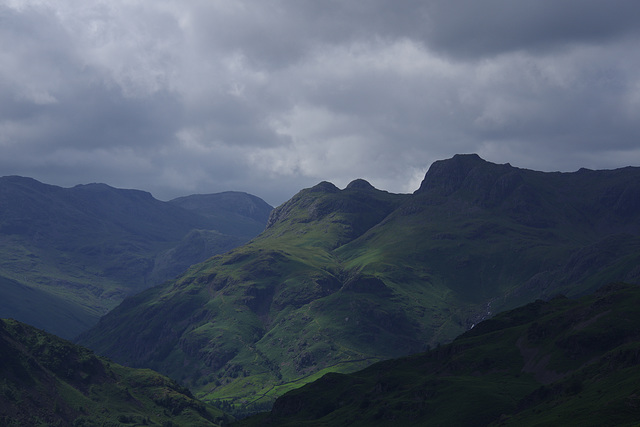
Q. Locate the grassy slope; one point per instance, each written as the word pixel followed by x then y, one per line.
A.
pixel 231 317
pixel 565 362
pixel 50 381
pixel 343 278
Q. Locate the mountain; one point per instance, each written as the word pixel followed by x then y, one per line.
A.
pixel 561 362
pixel 236 217
pixel 235 213
pixel 344 278
pixel 68 255
pixel 49 381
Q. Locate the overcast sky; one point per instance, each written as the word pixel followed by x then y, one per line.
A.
pixel 272 96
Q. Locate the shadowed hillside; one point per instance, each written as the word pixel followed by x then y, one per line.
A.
pixel 50 381
pixel 562 362
pixel 68 255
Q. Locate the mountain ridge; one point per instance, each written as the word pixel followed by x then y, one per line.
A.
pixel 359 274
pixel 235 204
pixel 92 244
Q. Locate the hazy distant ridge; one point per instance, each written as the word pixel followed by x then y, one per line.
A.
pixel 67 255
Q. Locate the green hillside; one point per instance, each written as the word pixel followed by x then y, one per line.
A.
pixel 344 278
pixel 562 362
pixel 47 381
pixel 68 255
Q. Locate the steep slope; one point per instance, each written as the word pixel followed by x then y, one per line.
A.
pixel 49 381
pixel 343 278
pixel 493 237
pixel 229 319
pixel 562 362
pixel 91 245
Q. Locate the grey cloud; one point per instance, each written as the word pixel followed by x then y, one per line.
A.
pixel 276 33
pixel 468 28
pixel 280 32
pixel 269 97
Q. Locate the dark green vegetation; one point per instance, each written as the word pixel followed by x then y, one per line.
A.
pixel 47 381
pixel 343 278
pixel 561 362
pixel 68 255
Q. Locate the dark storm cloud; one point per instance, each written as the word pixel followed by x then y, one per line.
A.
pixel 269 97
pixel 474 29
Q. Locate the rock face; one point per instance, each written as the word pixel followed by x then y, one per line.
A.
pixel 485 183
pixel 345 277
pixel 609 197
pixel 447 176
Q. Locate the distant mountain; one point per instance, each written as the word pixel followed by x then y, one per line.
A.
pixel 562 362
pixel 344 278
pixel 68 255
pixel 50 381
pixel 235 213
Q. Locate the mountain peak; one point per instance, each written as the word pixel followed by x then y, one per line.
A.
pixel 227 203
pixel 360 184
pixel 98 189
pixel 324 187
pixel 446 176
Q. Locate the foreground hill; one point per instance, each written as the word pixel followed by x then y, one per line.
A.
pixel 562 362
pixel 50 381
pixel 343 278
pixel 68 255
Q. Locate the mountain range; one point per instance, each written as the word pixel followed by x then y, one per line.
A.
pixel 69 255
pixel 343 278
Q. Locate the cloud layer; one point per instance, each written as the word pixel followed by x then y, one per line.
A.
pixel 269 97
